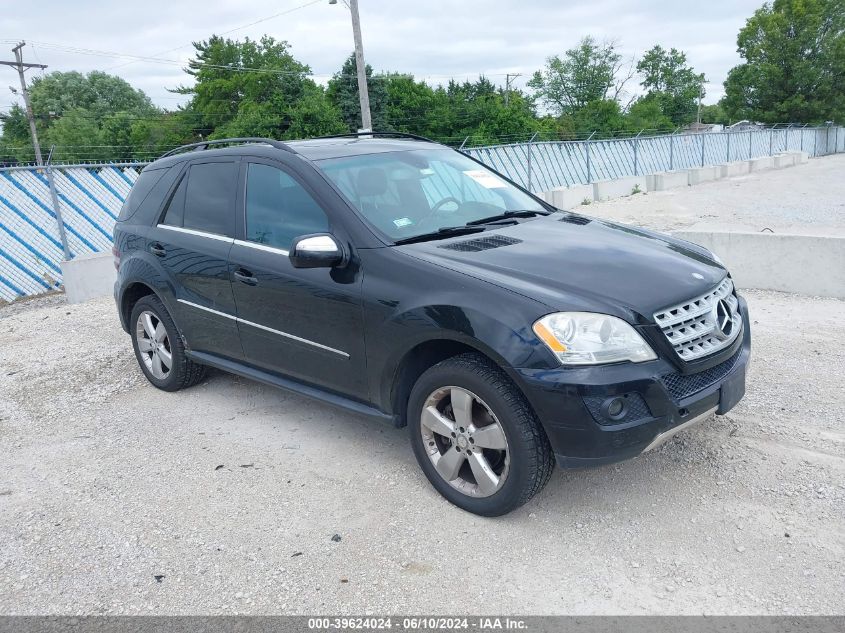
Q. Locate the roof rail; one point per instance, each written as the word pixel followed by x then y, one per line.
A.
pixel 395 134
pixel 228 141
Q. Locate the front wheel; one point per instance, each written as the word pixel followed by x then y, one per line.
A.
pixel 476 438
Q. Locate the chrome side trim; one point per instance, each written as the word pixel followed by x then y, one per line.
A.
pixel 265 328
pixel 660 439
pixel 291 336
pixel 262 247
pixel 199 307
pixel 212 236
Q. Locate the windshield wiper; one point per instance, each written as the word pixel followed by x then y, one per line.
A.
pixel 507 215
pixel 446 231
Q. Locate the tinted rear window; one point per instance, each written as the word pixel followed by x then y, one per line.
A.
pixel 148 179
pixel 210 198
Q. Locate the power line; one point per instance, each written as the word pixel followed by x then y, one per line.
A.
pixel 237 28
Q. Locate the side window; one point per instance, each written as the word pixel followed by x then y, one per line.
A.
pixel 139 192
pixel 210 198
pixel 176 207
pixel 279 209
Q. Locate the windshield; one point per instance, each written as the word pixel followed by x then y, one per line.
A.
pixel 410 193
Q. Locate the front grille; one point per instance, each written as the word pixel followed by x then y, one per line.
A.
pixel 680 386
pixel 692 328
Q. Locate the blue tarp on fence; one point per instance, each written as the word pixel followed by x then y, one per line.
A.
pixel 90 196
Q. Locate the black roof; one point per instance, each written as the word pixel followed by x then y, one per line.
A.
pixel 312 149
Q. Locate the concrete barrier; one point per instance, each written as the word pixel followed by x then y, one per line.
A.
pixel 569 197
pixel 784 160
pixel 759 164
pixel 667 180
pixel 607 189
pixel 698 175
pixel 805 264
pixel 88 276
pixel 736 168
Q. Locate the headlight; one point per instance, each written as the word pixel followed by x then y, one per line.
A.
pixel 587 338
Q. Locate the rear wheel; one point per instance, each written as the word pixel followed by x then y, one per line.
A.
pixel 159 348
pixel 476 438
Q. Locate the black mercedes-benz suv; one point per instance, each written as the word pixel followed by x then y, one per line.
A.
pixel 404 280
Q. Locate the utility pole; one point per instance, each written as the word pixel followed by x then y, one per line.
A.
pixel 21 68
pixel 363 92
pixel 508 86
pixel 700 91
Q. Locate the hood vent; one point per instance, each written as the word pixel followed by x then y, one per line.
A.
pixel 575 219
pixel 481 244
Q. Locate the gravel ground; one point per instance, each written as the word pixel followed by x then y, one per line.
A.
pixel 116 498
pixel 805 199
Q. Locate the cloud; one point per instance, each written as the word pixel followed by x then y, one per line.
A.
pixel 435 40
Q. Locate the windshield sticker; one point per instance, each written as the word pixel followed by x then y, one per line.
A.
pixel 403 222
pixel 486 179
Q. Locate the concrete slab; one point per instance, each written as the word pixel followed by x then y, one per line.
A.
pixel 570 197
pixel 805 264
pixel 698 175
pixel 619 187
pixel 736 168
pixel 88 276
pixel 784 160
pixel 759 164
pixel 669 180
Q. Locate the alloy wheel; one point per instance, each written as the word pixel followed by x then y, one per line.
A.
pixel 465 441
pixel 154 344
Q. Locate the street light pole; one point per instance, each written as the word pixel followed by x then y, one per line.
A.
pixel 363 92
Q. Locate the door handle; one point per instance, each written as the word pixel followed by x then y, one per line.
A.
pixel 245 277
pixel 157 249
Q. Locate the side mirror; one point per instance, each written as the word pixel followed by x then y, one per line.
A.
pixel 320 250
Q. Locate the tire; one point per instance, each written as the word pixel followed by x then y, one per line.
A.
pixel 504 479
pixel 152 328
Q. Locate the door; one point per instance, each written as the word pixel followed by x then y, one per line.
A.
pixel 192 241
pixel 303 323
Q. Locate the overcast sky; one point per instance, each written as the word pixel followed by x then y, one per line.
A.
pixel 433 39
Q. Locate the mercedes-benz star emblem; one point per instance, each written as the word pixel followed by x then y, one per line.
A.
pixel 723 319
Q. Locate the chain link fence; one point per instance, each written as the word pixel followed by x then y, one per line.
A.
pixel 542 166
pixel 51 214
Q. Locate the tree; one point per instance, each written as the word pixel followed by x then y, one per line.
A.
pixel 648 113
pixel 91 101
pixel 794 68
pixel 76 136
pixel 254 88
pixel 602 116
pixel 343 93
pixel 714 113
pixel 671 83
pixel 588 73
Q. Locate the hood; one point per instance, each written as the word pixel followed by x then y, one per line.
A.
pixel 572 262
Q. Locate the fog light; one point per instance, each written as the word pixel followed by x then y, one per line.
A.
pixel 614 408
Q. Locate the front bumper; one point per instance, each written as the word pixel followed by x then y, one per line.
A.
pixel 659 399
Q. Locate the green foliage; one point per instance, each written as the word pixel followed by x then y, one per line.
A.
pixel 647 113
pixel 586 74
pixel 794 68
pixel 714 114
pixel 77 110
pixel 343 93
pixel 603 116
pixel 671 83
